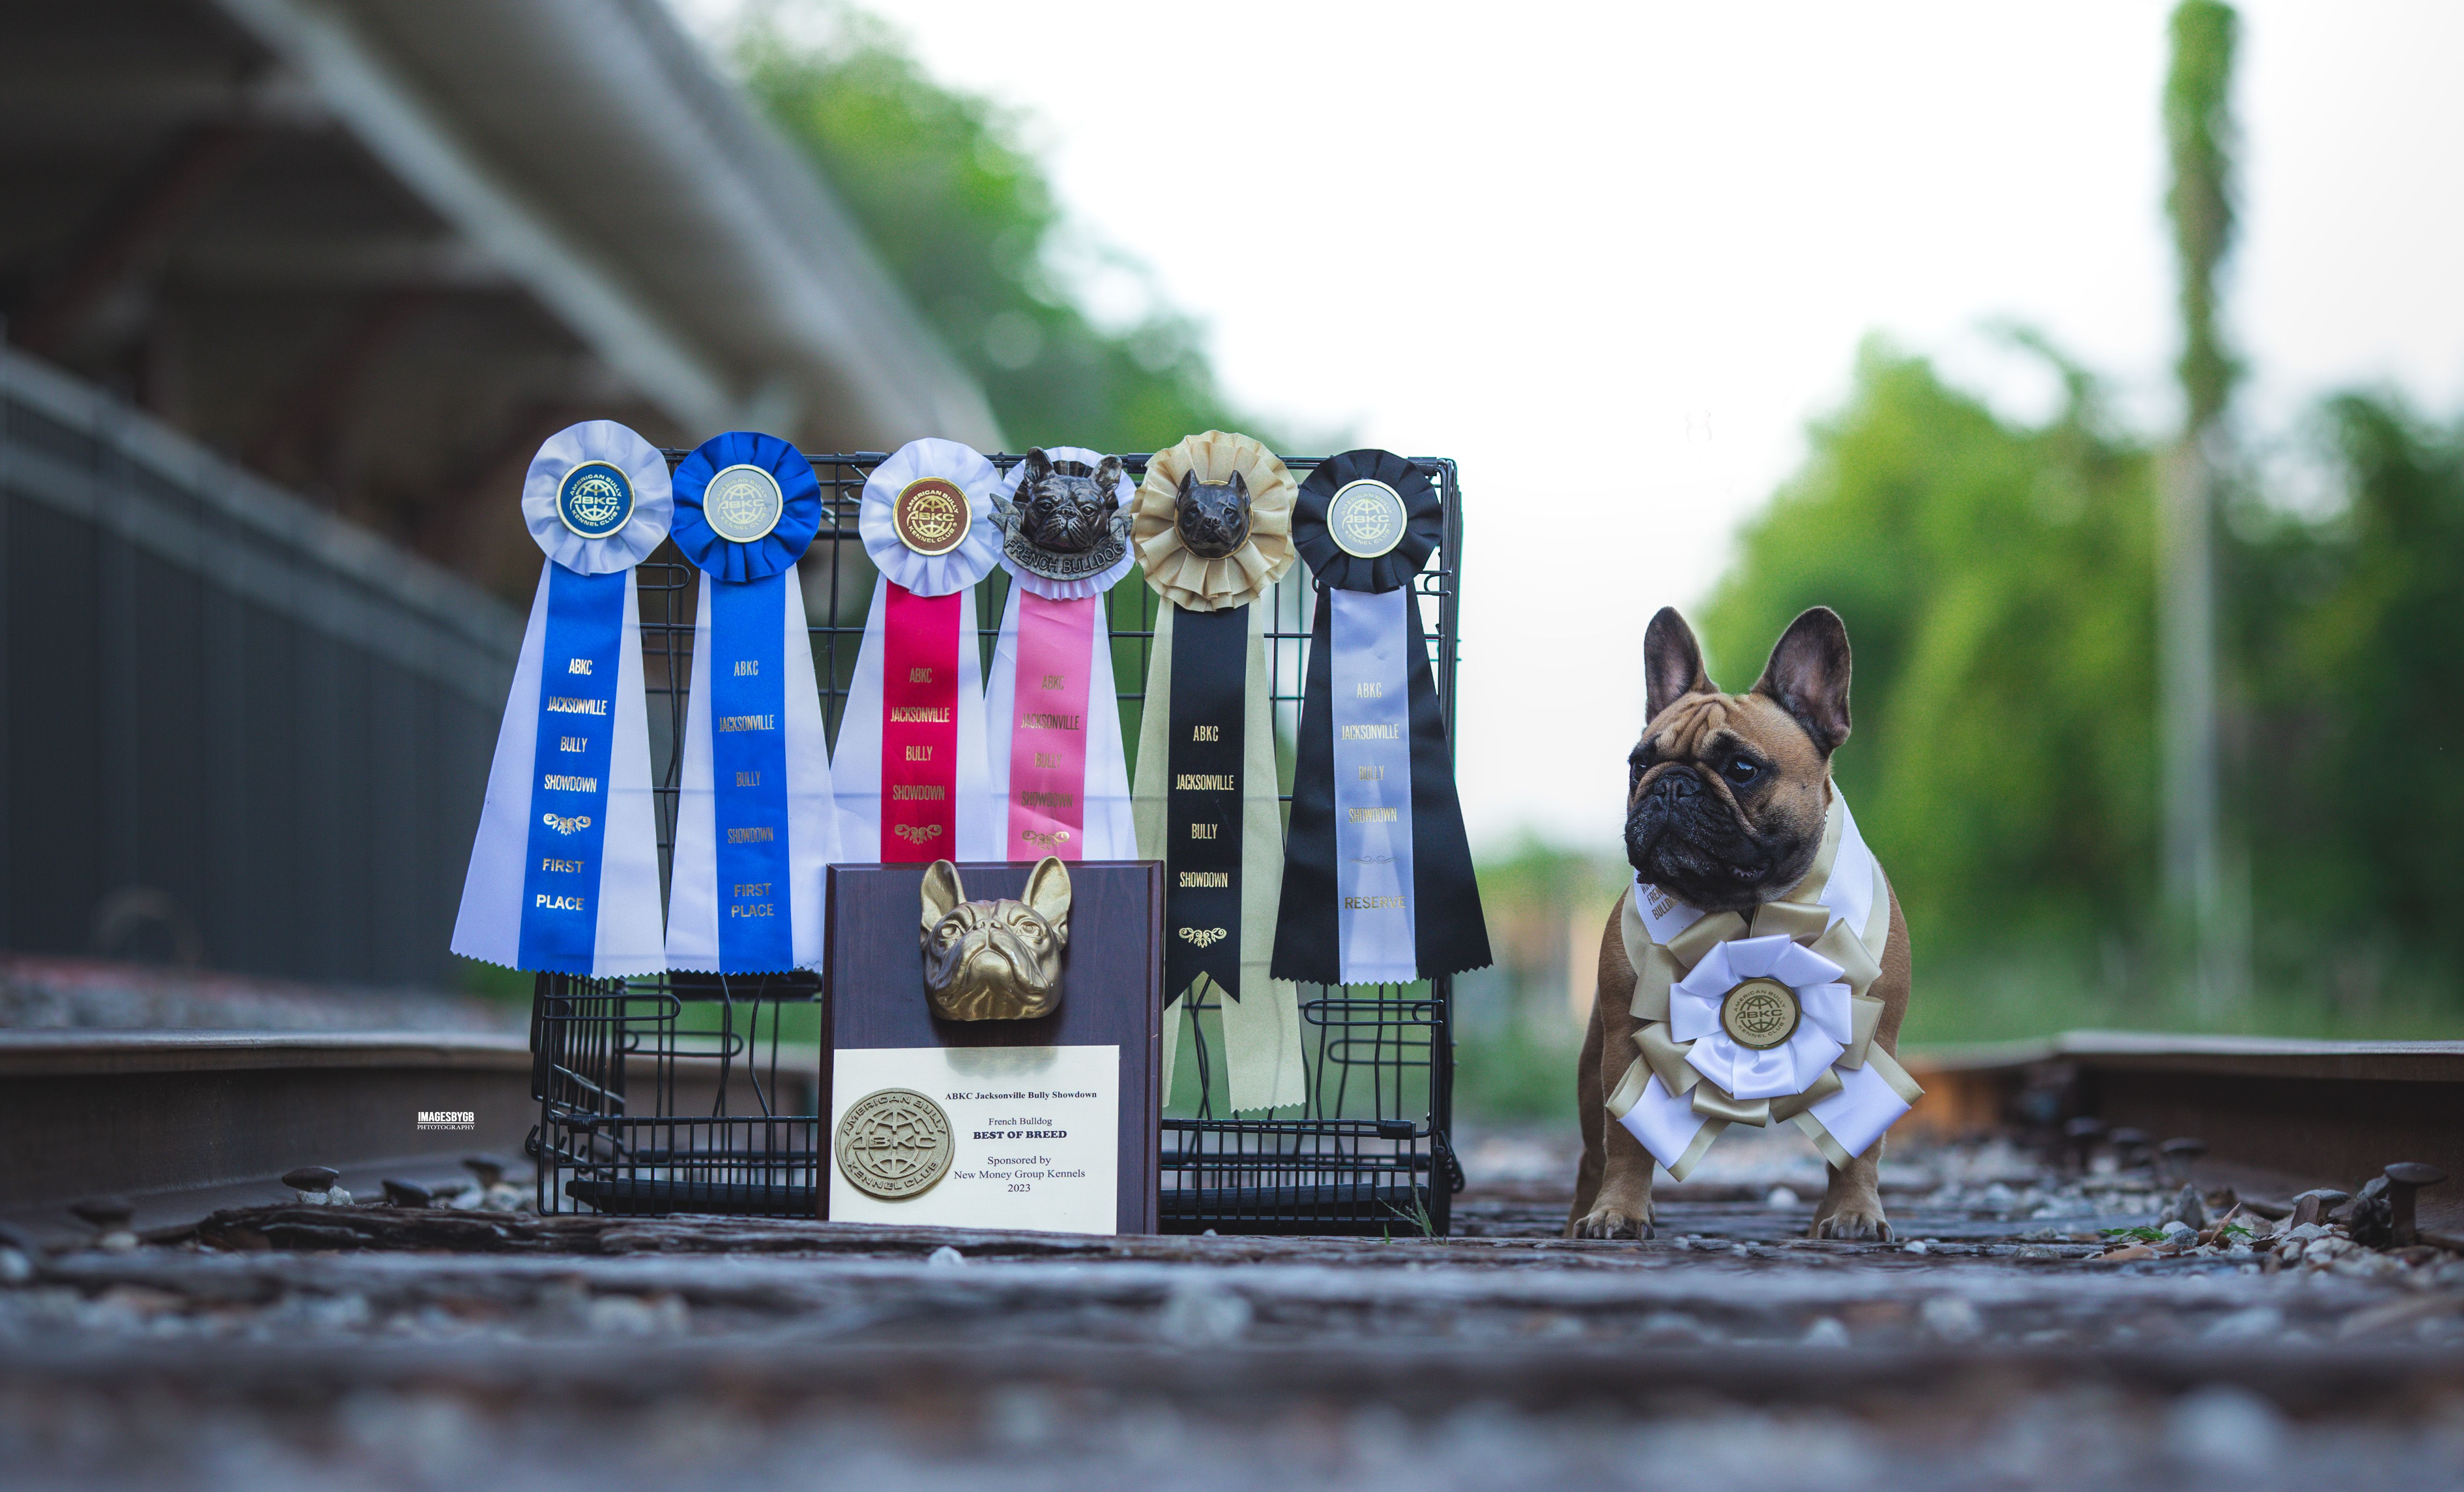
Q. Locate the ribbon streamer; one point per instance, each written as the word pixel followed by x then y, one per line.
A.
pixel 1211 529
pixel 756 827
pixel 1807 960
pixel 564 871
pixel 1377 875
pixel 1228 940
pixel 1059 776
pixel 911 771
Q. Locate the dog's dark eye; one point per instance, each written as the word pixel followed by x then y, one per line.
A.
pixel 1741 772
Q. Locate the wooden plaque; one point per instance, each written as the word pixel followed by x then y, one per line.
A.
pixel 1111 992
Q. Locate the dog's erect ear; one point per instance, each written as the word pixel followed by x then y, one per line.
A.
pixel 1047 892
pixel 1239 484
pixel 942 893
pixel 1108 477
pixel 1808 675
pixel 1188 483
pixel 1039 465
pixel 1672 664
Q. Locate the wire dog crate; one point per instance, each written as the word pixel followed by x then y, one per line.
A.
pixel 693 1092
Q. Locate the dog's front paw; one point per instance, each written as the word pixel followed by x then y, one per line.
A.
pixel 1859 1221
pixel 1611 1221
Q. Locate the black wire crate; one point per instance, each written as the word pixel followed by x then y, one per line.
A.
pixel 693 1092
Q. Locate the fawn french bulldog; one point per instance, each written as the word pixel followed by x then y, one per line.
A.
pixel 1726 797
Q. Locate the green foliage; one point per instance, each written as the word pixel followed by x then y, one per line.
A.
pixel 961 214
pixel 1996 583
pixel 2356 763
pixel 2200 138
pixel 1999 585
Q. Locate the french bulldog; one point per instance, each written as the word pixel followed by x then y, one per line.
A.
pixel 995 960
pixel 1725 797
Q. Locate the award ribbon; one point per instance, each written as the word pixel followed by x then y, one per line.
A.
pixel 1748 1023
pixel 1046 791
pixel 919 725
pixel 1059 772
pixel 909 770
pixel 1378 877
pixel 564 871
pixel 754 824
pixel 1212 531
pixel 1372 788
pixel 1206 761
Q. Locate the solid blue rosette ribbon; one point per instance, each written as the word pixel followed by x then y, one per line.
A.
pixel 756 825
pixel 745 537
pixel 564 871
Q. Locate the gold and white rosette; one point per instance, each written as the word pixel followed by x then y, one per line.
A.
pixel 1746 1021
pixel 1241 577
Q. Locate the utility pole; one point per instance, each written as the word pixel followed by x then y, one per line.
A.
pixel 2206 928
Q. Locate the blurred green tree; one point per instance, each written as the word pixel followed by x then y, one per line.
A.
pixel 2349 629
pixel 1999 585
pixel 961 213
pixel 1996 583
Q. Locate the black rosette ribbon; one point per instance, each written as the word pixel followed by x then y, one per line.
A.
pixel 1333 565
pixel 1377 876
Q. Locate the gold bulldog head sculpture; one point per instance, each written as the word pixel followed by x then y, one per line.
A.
pixel 995 960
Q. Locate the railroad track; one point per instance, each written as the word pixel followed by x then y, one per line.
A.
pixel 268 1344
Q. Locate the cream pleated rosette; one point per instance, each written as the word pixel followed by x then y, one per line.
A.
pixel 1200 585
pixel 1750 1020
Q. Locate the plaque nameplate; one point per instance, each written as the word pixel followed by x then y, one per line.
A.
pixel 1033 1136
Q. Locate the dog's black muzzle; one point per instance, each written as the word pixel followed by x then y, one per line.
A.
pixel 1683 837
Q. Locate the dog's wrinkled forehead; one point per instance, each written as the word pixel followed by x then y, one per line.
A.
pixel 1688 727
pixel 1707 726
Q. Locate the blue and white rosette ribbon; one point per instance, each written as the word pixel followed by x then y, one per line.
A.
pixel 1755 1022
pixel 564 871
pixel 755 828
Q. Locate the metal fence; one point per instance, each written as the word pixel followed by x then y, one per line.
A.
pixel 680 1093
pixel 240 733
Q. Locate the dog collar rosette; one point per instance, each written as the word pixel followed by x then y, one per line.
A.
pixel 756 827
pixel 1213 530
pixel 1054 749
pixel 1378 877
pixel 909 770
pixel 1749 1022
pixel 1066 528
pixel 564 871
pixel 1214 521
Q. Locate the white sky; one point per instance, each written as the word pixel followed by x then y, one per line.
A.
pixel 1613 257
